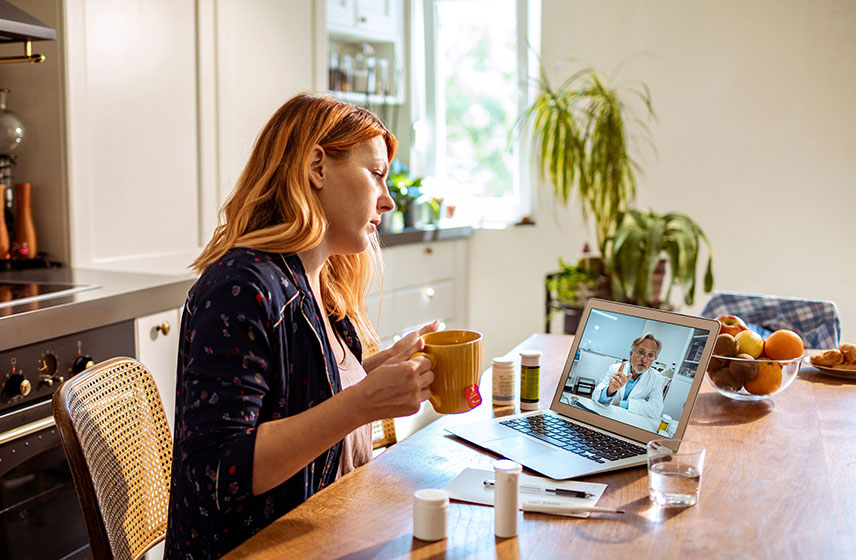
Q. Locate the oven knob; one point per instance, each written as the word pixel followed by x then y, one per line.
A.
pixel 81 363
pixel 17 385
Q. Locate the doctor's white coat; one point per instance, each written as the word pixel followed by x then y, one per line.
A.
pixel 646 398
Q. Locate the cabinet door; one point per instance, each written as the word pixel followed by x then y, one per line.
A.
pixel 341 13
pixel 157 349
pixel 132 134
pixel 381 17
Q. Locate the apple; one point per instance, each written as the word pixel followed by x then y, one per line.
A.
pixel 749 342
pixel 731 324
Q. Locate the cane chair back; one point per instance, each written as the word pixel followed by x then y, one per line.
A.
pixel 383 431
pixel 115 435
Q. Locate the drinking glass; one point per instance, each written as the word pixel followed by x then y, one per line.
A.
pixel 674 471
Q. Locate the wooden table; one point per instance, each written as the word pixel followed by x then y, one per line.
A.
pixel 779 482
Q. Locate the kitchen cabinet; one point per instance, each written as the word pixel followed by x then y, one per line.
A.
pixel 143 116
pixel 369 19
pixel 157 349
pixel 422 282
pixel 132 134
pixel 365 50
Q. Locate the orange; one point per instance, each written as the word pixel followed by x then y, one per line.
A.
pixel 768 381
pixel 783 345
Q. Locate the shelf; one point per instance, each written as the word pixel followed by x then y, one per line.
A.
pixel 690 362
pixel 358 98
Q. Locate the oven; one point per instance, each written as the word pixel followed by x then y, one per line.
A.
pixel 40 517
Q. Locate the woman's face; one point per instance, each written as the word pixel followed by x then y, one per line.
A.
pixel 354 195
pixel 643 356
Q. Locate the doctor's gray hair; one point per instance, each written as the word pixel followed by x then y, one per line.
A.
pixel 647 336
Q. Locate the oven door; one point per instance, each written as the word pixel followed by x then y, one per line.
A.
pixel 40 516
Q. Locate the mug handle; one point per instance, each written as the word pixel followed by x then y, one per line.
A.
pixel 433 399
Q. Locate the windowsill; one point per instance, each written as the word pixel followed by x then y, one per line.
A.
pixel 447 229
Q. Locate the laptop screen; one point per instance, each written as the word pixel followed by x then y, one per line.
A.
pixel 634 370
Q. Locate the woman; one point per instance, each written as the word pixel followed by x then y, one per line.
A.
pixel 639 389
pixel 271 377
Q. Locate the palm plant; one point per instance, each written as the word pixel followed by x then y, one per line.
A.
pixel 641 241
pixel 582 143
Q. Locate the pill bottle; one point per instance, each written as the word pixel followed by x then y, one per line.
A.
pixel 505 500
pixel 430 513
pixel 665 422
pixel 530 379
pixel 503 381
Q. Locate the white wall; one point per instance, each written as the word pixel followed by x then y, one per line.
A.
pixel 755 141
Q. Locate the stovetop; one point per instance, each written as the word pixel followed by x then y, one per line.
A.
pixel 15 292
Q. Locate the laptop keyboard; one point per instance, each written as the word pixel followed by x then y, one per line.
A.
pixel 583 441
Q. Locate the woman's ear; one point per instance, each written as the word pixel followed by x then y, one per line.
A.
pixel 317 160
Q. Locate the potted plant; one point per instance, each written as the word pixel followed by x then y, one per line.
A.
pixel 582 143
pixel 637 254
pixel 405 190
pixel 567 291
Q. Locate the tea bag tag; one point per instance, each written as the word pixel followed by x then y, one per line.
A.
pixel 472 395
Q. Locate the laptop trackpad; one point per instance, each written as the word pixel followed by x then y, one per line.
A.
pixel 516 446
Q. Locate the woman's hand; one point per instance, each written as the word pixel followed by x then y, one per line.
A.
pixel 406 346
pixel 412 342
pixel 395 388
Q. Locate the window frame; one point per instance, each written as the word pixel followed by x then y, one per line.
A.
pixel 429 130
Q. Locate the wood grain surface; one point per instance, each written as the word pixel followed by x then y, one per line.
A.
pixel 779 482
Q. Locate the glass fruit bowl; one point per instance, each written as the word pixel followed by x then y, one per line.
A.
pixel 751 380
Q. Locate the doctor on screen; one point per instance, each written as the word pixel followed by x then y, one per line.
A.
pixel 635 387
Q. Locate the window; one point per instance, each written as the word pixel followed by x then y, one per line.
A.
pixel 477 60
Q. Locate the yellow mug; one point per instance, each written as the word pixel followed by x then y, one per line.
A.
pixel 456 359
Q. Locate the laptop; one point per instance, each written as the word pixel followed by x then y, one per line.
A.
pixel 589 430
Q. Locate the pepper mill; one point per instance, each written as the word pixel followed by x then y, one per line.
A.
pixel 25 230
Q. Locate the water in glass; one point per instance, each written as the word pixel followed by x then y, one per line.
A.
pixel 673 483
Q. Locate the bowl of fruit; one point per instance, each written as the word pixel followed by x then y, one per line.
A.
pixel 747 367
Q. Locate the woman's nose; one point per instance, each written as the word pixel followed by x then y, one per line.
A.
pixel 385 203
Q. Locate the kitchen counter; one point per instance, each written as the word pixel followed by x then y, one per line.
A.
pixel 110 297
pixel 408 236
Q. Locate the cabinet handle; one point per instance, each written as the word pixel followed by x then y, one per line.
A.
pixel 363 19
pixel 428 293
pixel 429 250
pixel 163 328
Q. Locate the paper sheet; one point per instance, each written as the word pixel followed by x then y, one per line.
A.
pixel 469 487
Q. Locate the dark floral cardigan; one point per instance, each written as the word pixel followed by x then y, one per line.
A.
pixel 253 349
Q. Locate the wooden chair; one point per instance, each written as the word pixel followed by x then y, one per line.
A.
pixel 383 431
pixel 113 428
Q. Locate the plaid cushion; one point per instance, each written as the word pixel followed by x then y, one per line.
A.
pixel 817 322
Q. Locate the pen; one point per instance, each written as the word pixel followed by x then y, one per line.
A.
pixel 557 491
pixel 552 507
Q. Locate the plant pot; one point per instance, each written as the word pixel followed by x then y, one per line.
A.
pixel 571 317
pixel 409 215
pixel 657 283
pixel 386 222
